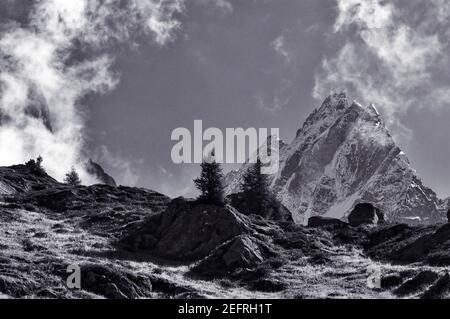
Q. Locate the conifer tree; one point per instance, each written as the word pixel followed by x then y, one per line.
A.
pixel 255 187
pixel 72 178
pixel 210 182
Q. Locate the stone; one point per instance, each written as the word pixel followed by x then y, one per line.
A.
pixel 364 213
pixel 188 230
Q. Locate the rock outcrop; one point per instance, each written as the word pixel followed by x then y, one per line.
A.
pixel 242 253
pixel 365 213
pixel 98 172
pixel 188 230
pixel 22 178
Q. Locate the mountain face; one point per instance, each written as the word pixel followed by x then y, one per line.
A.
pixel 342 155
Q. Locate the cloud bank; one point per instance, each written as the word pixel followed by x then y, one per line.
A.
pixel 55 58
pixel 394 54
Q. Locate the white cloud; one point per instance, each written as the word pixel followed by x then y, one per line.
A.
pixel 126 170
pixel 390 55
pixel 224 5
pixel 279 46
pixel 38 73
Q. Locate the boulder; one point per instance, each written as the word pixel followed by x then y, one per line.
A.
pixel 243 252
pixel 319 221
pixel 111 283
pixel 365 213
pixel 188 230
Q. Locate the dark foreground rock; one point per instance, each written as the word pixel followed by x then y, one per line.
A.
pixel 365 213
pixel 242 253
pixel 403 244
pixel 432 248
pixel 188 230
pixel 439 290
pixel 106 281
pixel 318 221
pixel 417 283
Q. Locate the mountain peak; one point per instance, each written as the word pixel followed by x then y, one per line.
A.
pixel 336 101
pixel 332 107
pixel 341 156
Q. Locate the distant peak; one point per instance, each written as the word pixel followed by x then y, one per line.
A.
pixel 97 170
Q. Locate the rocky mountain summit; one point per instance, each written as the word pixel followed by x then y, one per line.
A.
pixel 342 155
pixel 136 243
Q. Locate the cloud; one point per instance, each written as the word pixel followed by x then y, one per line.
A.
pixel 393 54
pixel 57 57
pixel 273 102
pixel 126 170
pixel 224 5
pixel 280 48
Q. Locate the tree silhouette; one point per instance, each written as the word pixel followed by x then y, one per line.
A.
pixel 210 182
pixel 72 178
pixel 255 187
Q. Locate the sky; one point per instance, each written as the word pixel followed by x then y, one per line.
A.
pixel 113 78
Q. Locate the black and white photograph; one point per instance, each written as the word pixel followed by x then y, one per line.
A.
pixel 251 150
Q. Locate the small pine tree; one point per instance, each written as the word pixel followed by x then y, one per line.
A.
pixel 255 187
pixel 72 178
pixel 210 182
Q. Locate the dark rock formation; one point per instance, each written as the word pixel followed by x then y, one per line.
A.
pixel 23 178
pixel 364 213
pixel 188 230
pixel 384 243
pixel 417 283
pixel 404 244
pixel 105 280
pixel 275 210
pixel 98 171
pixel 434 248
pixel 242 252
pixel 318 221
pixel 439 290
